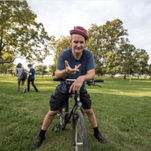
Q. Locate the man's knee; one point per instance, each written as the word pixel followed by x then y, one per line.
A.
pixel 89 112
pixel 52 113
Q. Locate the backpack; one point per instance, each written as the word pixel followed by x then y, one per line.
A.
pixel 24 75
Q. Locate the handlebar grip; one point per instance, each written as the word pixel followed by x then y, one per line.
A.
pixel 99 80
pixel 58 79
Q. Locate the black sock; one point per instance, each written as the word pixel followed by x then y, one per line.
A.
pixel 96 130
pixel 42 133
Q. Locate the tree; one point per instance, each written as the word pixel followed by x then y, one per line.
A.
pixel 7 68
pixel 20 34
pixel 104 39
pixel 128 58
pixel 42 69
pixel 58 46
pixel 111 63
pixel 149 70
pixel 143 58
pixel 131 60
pixel 52 69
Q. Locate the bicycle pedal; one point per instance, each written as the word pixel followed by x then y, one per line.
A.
pixel 56 128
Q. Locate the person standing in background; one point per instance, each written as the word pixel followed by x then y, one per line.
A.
pixel 18 72
pixel 31 77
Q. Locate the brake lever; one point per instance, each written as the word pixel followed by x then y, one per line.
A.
pixel 94 85
pixel 97 85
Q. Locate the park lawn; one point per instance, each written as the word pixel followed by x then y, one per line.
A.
pixel 122 108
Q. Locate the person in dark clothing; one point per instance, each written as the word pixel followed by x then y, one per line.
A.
pixel 73 63
pixel 31 78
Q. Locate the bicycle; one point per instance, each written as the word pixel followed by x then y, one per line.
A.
pixel 80 138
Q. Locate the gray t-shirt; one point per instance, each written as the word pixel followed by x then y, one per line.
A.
pixel 19 72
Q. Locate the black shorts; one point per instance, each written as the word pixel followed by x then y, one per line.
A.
pixel 58 99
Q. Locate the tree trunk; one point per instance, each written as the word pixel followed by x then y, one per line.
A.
pixel 124 76
pixel 138 76
pixel 111 75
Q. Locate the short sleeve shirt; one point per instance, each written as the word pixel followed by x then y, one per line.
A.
pixel 86 61
pixel 19 72
pixel 31 77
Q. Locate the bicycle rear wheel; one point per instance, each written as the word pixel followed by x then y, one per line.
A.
pixel 80 133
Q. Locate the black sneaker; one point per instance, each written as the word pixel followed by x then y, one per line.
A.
pixel 37 143
pixel 100 138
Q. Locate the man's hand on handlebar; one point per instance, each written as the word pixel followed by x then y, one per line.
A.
pixel 76 86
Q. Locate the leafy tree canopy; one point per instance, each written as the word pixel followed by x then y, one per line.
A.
pixel 20 34
pixel 7 68
pixel 112 51
pixel 42 69
pixel 58 45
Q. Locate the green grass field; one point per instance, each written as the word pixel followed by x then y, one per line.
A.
pixel 122 108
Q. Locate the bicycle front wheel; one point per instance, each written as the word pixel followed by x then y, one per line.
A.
pixel 80 132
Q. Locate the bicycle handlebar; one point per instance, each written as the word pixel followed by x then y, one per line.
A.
pixel 72 80
pixel 91 82
pixel 58 79
pixel 98 80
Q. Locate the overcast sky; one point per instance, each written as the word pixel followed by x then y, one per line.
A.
pixel 60 16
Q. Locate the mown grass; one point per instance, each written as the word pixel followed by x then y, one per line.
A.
pixel 122 108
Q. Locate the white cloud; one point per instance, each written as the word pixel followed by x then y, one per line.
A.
pixel 59 17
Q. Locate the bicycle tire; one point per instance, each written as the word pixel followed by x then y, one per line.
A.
pixel 80 132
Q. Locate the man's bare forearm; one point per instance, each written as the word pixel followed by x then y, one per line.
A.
pixel 61 73
pixel 90 75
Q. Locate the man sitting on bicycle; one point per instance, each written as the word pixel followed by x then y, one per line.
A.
pixel 73 63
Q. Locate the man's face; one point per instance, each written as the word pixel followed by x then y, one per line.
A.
pixel 78 43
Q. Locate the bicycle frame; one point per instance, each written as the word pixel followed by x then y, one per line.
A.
pixel 77 114
pixel 77 105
